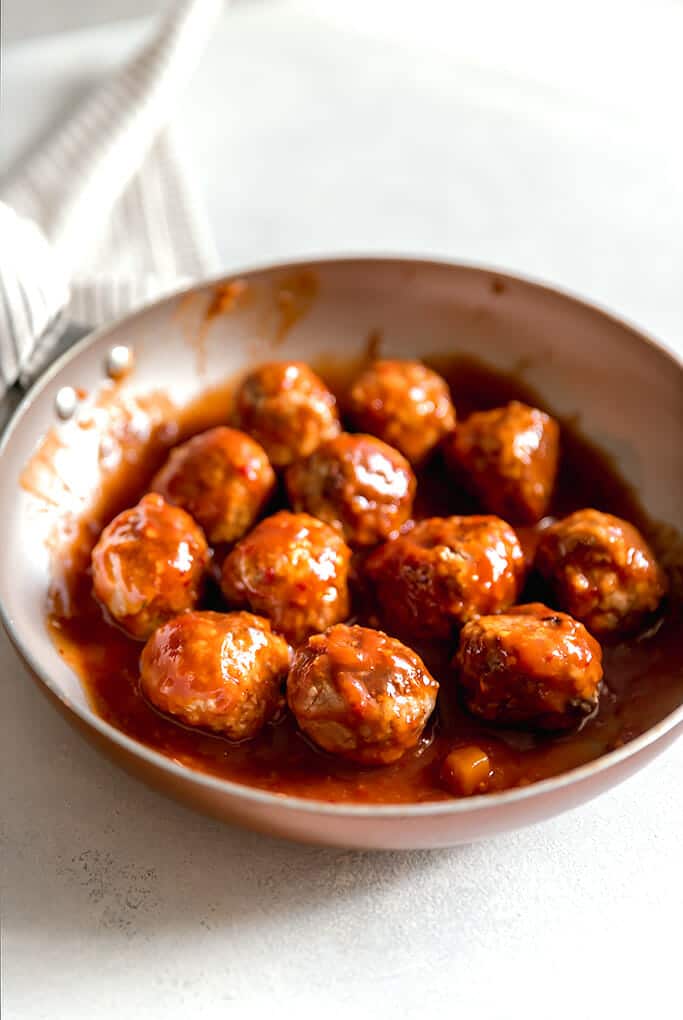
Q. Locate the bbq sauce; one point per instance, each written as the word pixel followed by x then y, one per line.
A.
pixel 643 676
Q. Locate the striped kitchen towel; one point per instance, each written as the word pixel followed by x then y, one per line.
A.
pixel 103 217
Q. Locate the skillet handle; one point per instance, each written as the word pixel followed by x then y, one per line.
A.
pixel 16 393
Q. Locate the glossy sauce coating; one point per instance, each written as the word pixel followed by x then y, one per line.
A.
pixel 601 570
pixel 148 565
pixel 531 666
pixel 223 479
pixel 288 409
pixel 357 483
pixel 508 457
pixel 293 569
pixel 444 571
pixel 219 671
pixel 406 404
pixel 361 694
pixel 643 674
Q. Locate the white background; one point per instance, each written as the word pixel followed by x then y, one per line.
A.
pixel 544 138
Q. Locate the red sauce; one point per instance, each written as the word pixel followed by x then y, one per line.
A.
pixel 643 676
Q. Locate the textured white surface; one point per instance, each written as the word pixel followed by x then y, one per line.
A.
pixel 557 155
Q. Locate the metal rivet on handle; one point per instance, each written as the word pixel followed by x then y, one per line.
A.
pixel 119 361
pixel 66 402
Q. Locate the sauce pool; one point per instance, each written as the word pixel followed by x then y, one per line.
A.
pixel 643 677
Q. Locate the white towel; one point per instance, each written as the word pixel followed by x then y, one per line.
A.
pixel 106 217
pixel 157 238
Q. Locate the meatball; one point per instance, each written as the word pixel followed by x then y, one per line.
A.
pixel 288 409
pixel 293 569
pixel 508 459
pixel 405 404
pixel 601 570
pixel 531 666
pixel 356 483
pixel 444 571
pixel 149 565
pixel 222 478
pixel 220 671
pixel 360 694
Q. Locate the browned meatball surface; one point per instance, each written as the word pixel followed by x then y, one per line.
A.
pixel 219 671
pixel 601 570
pixel 287 409
pixel 444 571
pixel 293 569
pixel 508 458
pixel 222 478
pixel 149 565
pixel 404 403
pixel 356 483
pixel 531 666
pixel 360 694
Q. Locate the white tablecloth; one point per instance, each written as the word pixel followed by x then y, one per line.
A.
pixel 542 140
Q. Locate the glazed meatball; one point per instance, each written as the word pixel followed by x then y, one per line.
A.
pixel 219 671
pixel 508 459
pixel 293 569
pixel 149 565
pixel 531 666
pixel 601 570
pixel 222 478
pixel 288 409
pixel 360 694
pixel 444 571
pixel 405 404
pixel 356 483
